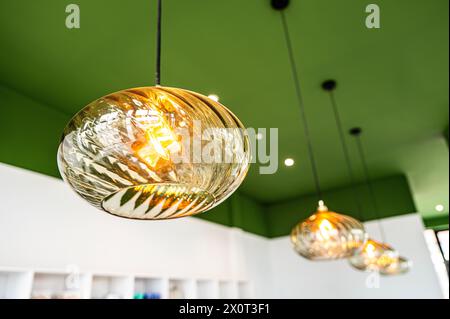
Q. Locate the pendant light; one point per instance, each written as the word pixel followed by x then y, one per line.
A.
pixel 325 235
pixel 329 86
pixel 140 153
pixel 372 255
pixel 376 256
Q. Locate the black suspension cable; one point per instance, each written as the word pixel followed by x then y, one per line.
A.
pixel 158 45
pixel 330 86
pixel 301 105
pixel 357 133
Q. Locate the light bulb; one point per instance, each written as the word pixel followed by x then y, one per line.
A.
pixel 158 143
pixel 154 153
pixel 326 230
pixel 369 249
pixel 327 235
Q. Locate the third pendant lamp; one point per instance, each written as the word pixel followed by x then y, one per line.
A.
pixel 133 153
pixel 324 235
pixel 376 256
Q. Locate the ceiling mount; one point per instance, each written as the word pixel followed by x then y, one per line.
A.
pixel 329 85
pixel 279 4
pixel 355 131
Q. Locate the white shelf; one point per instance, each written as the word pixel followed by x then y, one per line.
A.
pixel 228 290
pixel 182 289
pixel 112 287
pixel 207 289
pixel 15 284
pixel 54 285
pixel 45 284
pixel 245 290
pixel 148 286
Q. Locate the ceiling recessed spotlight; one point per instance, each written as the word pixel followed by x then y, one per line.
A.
pixel 214 97
pixel 439 208
pixel 259 136
pixel 289 162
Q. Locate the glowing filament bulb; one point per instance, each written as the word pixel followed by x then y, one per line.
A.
pixel 370 250
pixel 385 261
pixel 160 141
pixel 326 229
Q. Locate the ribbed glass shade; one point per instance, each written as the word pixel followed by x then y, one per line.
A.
pixel 380 257
pixel 154 153
pixel 327 235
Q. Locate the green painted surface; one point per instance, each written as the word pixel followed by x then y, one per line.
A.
pixel 446 134
pixel 393 81
pixel 241 212
pixel 29 132
pixel 437 222
pixel 392 194
pixel 221 214
pixel 249 215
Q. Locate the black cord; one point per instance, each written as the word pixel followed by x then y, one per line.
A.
pixel 370 186
pixel 351 174
pixel 301 106
pixel 158 45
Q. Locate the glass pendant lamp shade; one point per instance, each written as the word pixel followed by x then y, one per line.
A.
pixel 400 266
pixel 380 257
pixel 154 153
pixel 327 235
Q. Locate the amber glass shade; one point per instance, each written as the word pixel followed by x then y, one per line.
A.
pixel 327 235
pixel 380 257
pixel 154 153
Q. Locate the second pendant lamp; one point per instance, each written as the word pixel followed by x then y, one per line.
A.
pixel 325 235
pixel 374 255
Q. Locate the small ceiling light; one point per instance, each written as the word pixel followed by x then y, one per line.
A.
pixel 126 152
pixel 289 162
pixel 439 208
pixel 214 97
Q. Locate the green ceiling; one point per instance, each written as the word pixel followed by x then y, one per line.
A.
pixel 392 81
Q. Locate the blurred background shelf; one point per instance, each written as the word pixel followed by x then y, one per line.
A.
pixel 60 285
pixel 15 284
pixel 207 289
pixel 228 290
pixel 151 288
pixel 112 287
pixel 39 284
pixel 182 289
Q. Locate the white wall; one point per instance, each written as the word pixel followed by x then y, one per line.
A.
pixel 44 225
